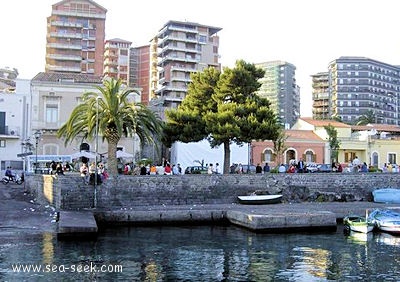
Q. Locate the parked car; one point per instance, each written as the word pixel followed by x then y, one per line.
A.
pixel 311 167
pixel 249 169
pixel 324 167
pixel 196 170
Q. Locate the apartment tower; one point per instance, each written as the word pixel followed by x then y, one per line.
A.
pixel 139 71
pixel 359 85
pixel 116 59
pixel 279 86
pixel 184 48
pixel 75 37
pixel 320 96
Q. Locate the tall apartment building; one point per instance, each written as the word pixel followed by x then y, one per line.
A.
pixel 75 37
pixel 359 84
pixel 279 86
pixel 116 59
pixel 184 48
pixel 139 71
pixel 320 95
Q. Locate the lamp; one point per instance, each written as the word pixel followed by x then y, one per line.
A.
pixel 37 135
pixel 96 148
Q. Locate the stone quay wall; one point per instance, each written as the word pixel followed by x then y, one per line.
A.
pixel 69 192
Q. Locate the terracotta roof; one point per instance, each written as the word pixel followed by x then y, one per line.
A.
pixel 71 77
pixel 308 135
pixel 377 127
pixel 322 123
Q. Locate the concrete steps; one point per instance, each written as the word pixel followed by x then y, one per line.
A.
pixel 76 224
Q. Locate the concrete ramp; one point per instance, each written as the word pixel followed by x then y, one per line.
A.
pixel 273 222
pixel 76 225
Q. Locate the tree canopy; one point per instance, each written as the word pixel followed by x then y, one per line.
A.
pixel 224 108
pixel 115 116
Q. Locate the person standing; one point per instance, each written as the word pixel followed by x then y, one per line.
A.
pixel 210 169
pixel 266 168
pixel 217 169
pixel 300 166
pixel 259 169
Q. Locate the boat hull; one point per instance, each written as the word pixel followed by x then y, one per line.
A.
pixel 386 220
pixel 387 195
pixel 260 199
pixel 358 224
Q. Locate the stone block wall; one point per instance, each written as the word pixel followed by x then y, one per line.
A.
pixel 69 192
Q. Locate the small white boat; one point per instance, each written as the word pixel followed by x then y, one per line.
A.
pixel 260 199
pixel 386 220
pixel 358 224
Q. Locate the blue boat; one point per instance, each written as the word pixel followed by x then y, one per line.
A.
pixel 387 195
pixel 385 220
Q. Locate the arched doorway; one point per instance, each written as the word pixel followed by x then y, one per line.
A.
pixel 290 155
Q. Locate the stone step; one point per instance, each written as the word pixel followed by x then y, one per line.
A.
pixel 76 224
pixel 271 222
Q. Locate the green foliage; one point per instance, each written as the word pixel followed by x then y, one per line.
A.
pixel 334 143
pixel 368 117
pixel 115 116
pixel 223 108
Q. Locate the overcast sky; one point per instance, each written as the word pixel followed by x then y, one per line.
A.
pixel 306 33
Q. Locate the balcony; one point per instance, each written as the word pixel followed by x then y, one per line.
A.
pixel 10 132
pixel 66 24
pixel 68 46
pixel 63 68
pixel 79 13
pixel 62 57
pixel 66 35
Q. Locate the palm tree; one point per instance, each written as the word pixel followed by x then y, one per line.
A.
pixel 368 117
pixel 117 117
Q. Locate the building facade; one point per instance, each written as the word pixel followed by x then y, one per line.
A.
pixel 279 86
pixel 139 71
pixel 358 85
pixel 14 125
pixel 184 48
pixel 320 96
pixel 75 37
pixel 54 96
pixel 116 59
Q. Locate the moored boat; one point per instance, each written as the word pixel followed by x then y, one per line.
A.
pixel 386 195
pixel 358 224
pixel 386 220
pixel 260 199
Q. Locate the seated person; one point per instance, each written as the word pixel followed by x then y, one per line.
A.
pixel 9 174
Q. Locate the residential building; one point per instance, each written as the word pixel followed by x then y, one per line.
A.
pixel 305 144
pixel 14 124
pixel 279 86
pixel 184 48
pixel 375 144
pixel 75 37
pixel 139 71
pixel 358 85
pixel 54 96
pixel 7 79
pixel 116 59
pixel 320 95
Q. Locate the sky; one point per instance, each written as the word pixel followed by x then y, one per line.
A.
pixel 308 33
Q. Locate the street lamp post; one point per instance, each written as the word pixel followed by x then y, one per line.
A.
pixel 37 135
pixel 96 149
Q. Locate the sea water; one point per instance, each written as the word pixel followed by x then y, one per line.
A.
pixel 199 253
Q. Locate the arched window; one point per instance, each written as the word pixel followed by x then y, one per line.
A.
pixel 309 156
pixel 267 156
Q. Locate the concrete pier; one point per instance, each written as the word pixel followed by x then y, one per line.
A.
pixel 76 224
pixel 270 222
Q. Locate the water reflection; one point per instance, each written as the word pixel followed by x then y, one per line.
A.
pixel 206 254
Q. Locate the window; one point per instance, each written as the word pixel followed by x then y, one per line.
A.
pixel 309 157
pixel 2 143
pixel 268 155
pixel 392 158
pixel 51 113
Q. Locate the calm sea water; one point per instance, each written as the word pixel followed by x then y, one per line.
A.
pixel 202 253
